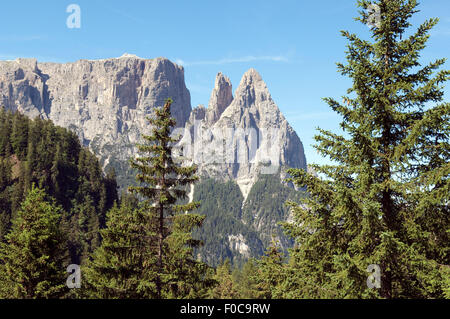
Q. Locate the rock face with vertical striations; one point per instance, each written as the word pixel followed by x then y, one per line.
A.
pixel 221 98
pixel 22 87
pixel 244 139
pixel 104 101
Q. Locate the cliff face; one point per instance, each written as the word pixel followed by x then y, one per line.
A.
pixel 104 101
pixel 247 140
pixel 22 87
pixel 221 98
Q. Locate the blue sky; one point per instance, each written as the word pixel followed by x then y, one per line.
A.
pixel 294 44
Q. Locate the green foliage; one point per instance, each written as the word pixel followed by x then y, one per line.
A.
pixel 190 278
pixel 163 186
pixel 221 203
pixel 5 180
pixel 446 276
pixel 147 248
pixel 256 220
pixel 124 265
pixel 36 151
pixel 245 280
pixel 385 200
pixel 271 274
pixel 226 287
pixel 32 257
pixel 19 136
pixel 265 208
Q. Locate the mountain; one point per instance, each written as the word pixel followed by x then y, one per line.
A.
pixel 103 101
pixel 243 137
pixel 242 143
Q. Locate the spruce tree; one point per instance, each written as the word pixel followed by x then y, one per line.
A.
pixel 31 258
pixel 147 246
pixel 87 223
pixel 163 186
pixel 271 273
pixel 124 265
pixel 384 200
pixel 5 210
pixel 190 278
pixel 225 287
pixel 19 135
pixel 246 280
pixel 53 158
pixel 5 132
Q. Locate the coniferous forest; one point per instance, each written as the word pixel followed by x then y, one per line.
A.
pixel 381 208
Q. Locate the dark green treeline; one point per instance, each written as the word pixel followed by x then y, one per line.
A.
pixel 36 152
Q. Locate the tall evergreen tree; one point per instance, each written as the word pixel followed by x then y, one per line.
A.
pixel 246 280
pixel 147 247
pixel 163 185
pixel 189 278
pixel 385 200
pixel 5 133
pixel 53 158
pixel 31 259
pixel 88 226
pixel 19 135
pixel 5 210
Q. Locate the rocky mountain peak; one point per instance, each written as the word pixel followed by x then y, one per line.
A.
pixel 250 138
pixel 253 103
pixel 221 98
pixel 28 63
pixel 252 80
pixel 252 93
pixel 251 75
pixel 105 103
pixel 22 87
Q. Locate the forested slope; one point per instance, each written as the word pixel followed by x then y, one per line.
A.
pixel 38 152
pixel 238 230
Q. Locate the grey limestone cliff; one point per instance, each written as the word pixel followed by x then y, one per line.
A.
pixel 104 101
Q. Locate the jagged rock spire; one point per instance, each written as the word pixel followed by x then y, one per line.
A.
pixel 221 98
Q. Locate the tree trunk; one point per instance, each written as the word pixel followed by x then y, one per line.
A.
pixel 387 204
pixel 160 252
pixel 386 276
